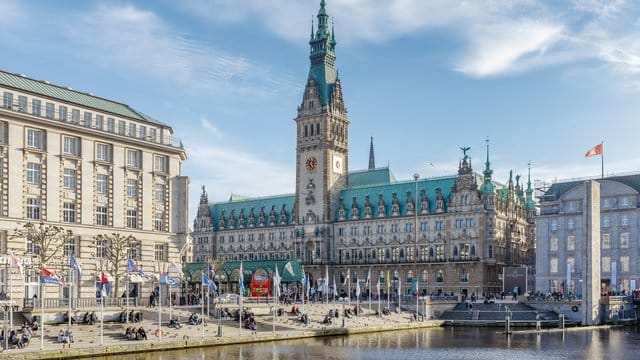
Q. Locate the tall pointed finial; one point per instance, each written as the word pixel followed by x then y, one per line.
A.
pixel 372 158
pixel 312 28
pixel 529 203
pixel 487 186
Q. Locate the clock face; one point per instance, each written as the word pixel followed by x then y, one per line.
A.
pixel 311 164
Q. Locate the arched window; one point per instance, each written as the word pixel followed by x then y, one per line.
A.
pixel 311 132
pixel 401 253
pixel 318 129
pixel 373 254
pixel 306 131
pixel 431 252
pixel 439 276
pixel 473 250
pixel 425 275
pixel 387 254
pixel 455 250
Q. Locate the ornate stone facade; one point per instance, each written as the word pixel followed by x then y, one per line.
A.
pixel 468 227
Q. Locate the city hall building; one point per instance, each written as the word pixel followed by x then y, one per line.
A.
pixel 91 166
pixel 451 233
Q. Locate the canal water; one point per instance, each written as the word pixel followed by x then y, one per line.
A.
pixel 439 343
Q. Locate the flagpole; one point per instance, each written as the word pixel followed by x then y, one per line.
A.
pixel 201 307
pixel 41 286
pixel 11 296
pixel 275 304
pixel 160 309
pixel 602 158
pixel 127 298
pixel 69 287
pixel 369 288
pixel 349 286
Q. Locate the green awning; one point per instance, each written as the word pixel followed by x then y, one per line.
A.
pixel 289 270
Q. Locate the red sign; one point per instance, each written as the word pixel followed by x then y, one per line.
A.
pixel 260 285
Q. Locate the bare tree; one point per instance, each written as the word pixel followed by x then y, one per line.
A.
pixel 43 240
pixel 115 249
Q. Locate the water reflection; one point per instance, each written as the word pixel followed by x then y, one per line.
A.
pixel 441 343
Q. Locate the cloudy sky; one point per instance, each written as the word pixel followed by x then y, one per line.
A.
pixel 543 80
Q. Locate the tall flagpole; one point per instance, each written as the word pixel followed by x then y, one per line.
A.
pixel 127 298
pixel 40 286
pixel 602 157
pixel 369 288
pixel 160 308
pixel 11 296
pixel 201 307
pixel 70 287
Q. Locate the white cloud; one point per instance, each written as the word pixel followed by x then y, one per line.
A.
pixel 211 128
pixel 508 47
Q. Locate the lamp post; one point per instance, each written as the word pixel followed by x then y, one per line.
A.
pixel 416 176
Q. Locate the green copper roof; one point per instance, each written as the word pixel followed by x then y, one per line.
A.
pixel 26 84
pixel 560 188
pixel 400 189
pixel 379 176
pixel 322 57
pixel 237 204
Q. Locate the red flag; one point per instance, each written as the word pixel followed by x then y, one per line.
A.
pixel 596 150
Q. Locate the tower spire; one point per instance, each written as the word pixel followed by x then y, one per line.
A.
pixel 487 186
pixel 529 203
pixel 323 57
pixel 372 158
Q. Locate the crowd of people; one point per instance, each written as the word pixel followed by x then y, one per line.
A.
pixel 131 316
pixel 19 338
pixel 66 337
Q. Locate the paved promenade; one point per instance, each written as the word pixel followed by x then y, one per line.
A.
pixel 287 326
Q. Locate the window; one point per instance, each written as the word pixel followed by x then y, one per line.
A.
pixel 624 201
pixel 439 276
pixel 159 192
pixel 69 247
pixel 87 119
pixel 101 215
pixel 158 221
pixel 33 208
pixel 132 188
pixel 440 252
pixel 606 241
pixel 32 246
pixel 69 179
pixel 111 124
pixel 160 163
pixel 134 158
pixel 99 122
pixel 152 134
pixel 69 212
pixel 75 116
pixel 605 221
pixel 571 224
pixel 553 264
pixel 102 183
pixel 71 146
pixel 159 252
pixel 571 264
pixel 103 152
pixel 408 227
pixel 132 219
pixel 553 243
pixel 424 226
pixel 35 107
pixel 624 263
pixel 34 172
pixel 35 139
pixel 143 132
pixel 101 246
pixel 122 126
pixel 62 113
pixel 439 225
pixel 464 275
pixel 7 100
pixel 49 110
pixel 624 220
pixel 571 242
pixel 22 103
pixel 624 240
pixel 606 264
pixel 132 129
pixel 4 132
pixel 554 225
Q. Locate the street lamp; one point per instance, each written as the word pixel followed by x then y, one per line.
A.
pixel 416 176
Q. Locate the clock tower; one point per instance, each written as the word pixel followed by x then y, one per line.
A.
pixel 322 134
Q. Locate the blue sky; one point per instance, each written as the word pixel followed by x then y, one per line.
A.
pixel 544 80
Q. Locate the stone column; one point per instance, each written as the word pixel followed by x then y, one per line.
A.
pixel 591 255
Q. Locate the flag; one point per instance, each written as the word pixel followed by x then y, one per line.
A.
pixel 133 267
pixel 326 280
pixel 368 279
pixel 307 285
pixel 166 280
pixel 414 286
pixel 596 150
pixel 15 262
pixel 73 265
pixel 378 285
pixel 276 283
pixel 241 280
pixel 49 277
pixel 399 287
pixel 346 277
pixel 106 283
pixel 357 287
pixel 335 288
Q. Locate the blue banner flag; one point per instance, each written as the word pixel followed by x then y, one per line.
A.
pixel 73 265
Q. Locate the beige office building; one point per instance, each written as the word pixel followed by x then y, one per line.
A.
pixel 92 166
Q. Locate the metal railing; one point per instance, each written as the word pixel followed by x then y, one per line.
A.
pixel 79 303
